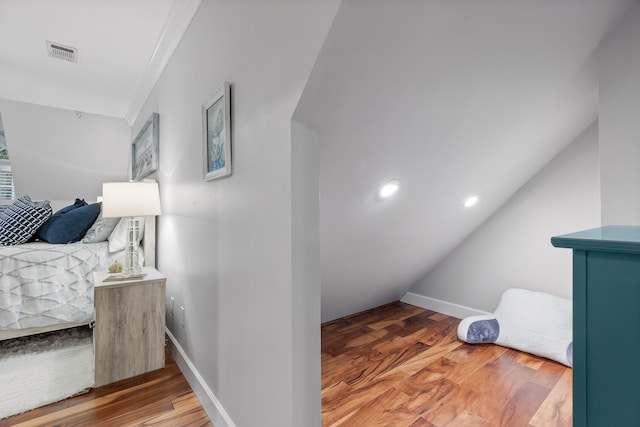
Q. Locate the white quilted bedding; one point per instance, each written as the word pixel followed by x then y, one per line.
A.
pixel 43 284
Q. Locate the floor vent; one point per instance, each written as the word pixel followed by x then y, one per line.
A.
pixel 57 50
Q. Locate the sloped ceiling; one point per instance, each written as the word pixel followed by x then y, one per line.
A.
pixel 122 45
pixel 452 99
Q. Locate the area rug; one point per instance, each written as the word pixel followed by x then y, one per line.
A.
pixel 44 368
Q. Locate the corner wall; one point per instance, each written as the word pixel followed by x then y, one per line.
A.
pixel 513 248
pixel 619 109
pixel 305 184
pixel 227 245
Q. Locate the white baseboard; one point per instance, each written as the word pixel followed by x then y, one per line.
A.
pixel 212 406
pixel 450 309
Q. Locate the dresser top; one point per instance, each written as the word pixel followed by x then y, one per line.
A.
pixel 610 238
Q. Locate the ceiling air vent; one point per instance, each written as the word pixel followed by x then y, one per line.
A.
pixel 57 50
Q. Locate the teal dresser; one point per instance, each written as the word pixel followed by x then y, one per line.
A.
pixel 606 325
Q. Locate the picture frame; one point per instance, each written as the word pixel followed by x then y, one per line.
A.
pixel 144 149
pixel 216 134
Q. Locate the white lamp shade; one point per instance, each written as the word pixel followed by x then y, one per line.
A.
pixel 127 199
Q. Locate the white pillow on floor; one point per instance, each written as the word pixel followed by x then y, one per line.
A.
pixel 535 322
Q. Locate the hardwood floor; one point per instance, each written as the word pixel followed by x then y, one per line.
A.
pixel 397 365
pixel 158 398
pixel 400 365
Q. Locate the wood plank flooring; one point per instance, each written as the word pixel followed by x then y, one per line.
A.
pixel 159 398
pixel 400 365
pixel 397 365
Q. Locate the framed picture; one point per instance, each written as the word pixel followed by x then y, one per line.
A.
pixel 144 150
pixel 216 134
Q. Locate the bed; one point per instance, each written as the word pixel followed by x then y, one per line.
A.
pixel 49 286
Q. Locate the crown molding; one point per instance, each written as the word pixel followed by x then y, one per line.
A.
pixel 180 16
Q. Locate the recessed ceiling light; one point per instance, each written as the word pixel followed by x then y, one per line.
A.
pixel 388 189
pixel 470 201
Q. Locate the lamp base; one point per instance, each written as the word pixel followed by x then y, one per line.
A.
pixel 131 262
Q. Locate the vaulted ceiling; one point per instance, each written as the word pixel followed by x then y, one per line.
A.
pixel 451 98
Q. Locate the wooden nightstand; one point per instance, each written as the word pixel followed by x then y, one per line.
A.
pixel 129 332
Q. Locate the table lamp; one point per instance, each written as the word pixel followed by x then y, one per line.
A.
pixel 130 200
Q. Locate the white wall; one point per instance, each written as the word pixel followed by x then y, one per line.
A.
pixel 226 246
pixel 513 248
pixel 57 156
pixel 619 109
pixel 305 155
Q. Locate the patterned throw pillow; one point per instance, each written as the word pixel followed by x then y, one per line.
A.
pixel 20 220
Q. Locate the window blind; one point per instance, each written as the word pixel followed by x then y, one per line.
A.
pixel 7 192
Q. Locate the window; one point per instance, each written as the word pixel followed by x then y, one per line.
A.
pixel 7 192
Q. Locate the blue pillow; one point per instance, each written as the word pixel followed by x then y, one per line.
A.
pixel 69 224
pixel 20 220
pixel 53 218
pixel 77 204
